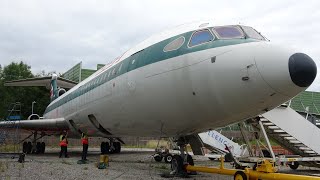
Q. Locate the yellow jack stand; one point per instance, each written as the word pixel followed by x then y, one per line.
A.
pixel 104 161
pixel 265 170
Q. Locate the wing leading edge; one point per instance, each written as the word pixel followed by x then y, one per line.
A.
pixel 38 124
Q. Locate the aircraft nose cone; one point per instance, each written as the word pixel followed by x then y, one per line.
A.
pixel 302 69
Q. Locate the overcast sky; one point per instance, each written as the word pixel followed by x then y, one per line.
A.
pixel 55 35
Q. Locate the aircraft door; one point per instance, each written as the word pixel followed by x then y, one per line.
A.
pixel 134 60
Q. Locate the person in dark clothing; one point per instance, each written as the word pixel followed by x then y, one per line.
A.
pixel 85 145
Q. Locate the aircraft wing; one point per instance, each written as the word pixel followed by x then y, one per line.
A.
pixel 37 124
pixel 42 81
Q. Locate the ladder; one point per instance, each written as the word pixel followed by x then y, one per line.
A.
pixel 287 140
pixel 293 132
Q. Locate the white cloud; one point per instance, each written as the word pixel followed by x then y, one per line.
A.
pixel 54 35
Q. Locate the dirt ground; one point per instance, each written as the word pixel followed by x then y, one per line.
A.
pixel 129 164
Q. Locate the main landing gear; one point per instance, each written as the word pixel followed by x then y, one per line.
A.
pixel 163 153
pixel 110 147
pixel 33 147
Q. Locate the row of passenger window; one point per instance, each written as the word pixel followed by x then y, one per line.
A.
pixel 124 66
pixel 99 80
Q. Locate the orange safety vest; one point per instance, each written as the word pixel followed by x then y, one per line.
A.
pixel 64 142
pixel 84 140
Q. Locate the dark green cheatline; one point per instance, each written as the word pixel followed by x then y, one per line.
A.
pixel 149 55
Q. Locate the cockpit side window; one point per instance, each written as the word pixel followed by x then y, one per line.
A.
pixel 252 33
pixel 201 37
pixel 228 32
pixel 174 45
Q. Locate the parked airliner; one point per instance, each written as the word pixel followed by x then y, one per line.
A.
pixel 183 81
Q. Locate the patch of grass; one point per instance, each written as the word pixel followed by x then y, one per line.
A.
pixel 3 166
pixel 154 143
pixel 150 144
pixel 272 142
pixel 253 142
pixel 9 148
pixel 20 165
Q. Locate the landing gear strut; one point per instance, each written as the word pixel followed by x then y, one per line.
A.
pixel 34 147
pixel 180 161
pixel 163 153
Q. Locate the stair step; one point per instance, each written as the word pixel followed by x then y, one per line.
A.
pixel 284 135
pixel 309 152
pixel 268 124
pixel 304 148
pixel 273 127
pixel 314 154
pixel 290 138
pixel 295 142
pixel 264 120
pixel 278 131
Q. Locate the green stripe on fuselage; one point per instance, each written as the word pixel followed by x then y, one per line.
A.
pixel 149 55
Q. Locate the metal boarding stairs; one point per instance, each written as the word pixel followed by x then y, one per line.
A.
pixel 293 132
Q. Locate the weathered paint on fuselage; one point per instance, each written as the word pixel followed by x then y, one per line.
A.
pixel 149 92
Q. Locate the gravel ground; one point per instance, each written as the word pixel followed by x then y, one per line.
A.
pixel 129 164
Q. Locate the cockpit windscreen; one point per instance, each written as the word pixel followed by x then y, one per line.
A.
pixel 228 32
pixel 252 33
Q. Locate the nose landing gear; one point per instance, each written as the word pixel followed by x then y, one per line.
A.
pixel 179 162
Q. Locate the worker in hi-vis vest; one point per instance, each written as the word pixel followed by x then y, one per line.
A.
pixel 64 145
pixel 85 144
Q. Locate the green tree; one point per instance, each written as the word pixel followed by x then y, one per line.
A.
pixel 1 95
pixel 15 71
pixel 0 72
pixel 24 95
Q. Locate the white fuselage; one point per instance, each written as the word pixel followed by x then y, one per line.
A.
pixel 185 94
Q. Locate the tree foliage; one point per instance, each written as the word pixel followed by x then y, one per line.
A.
pixel 24 95
pixel 16 71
